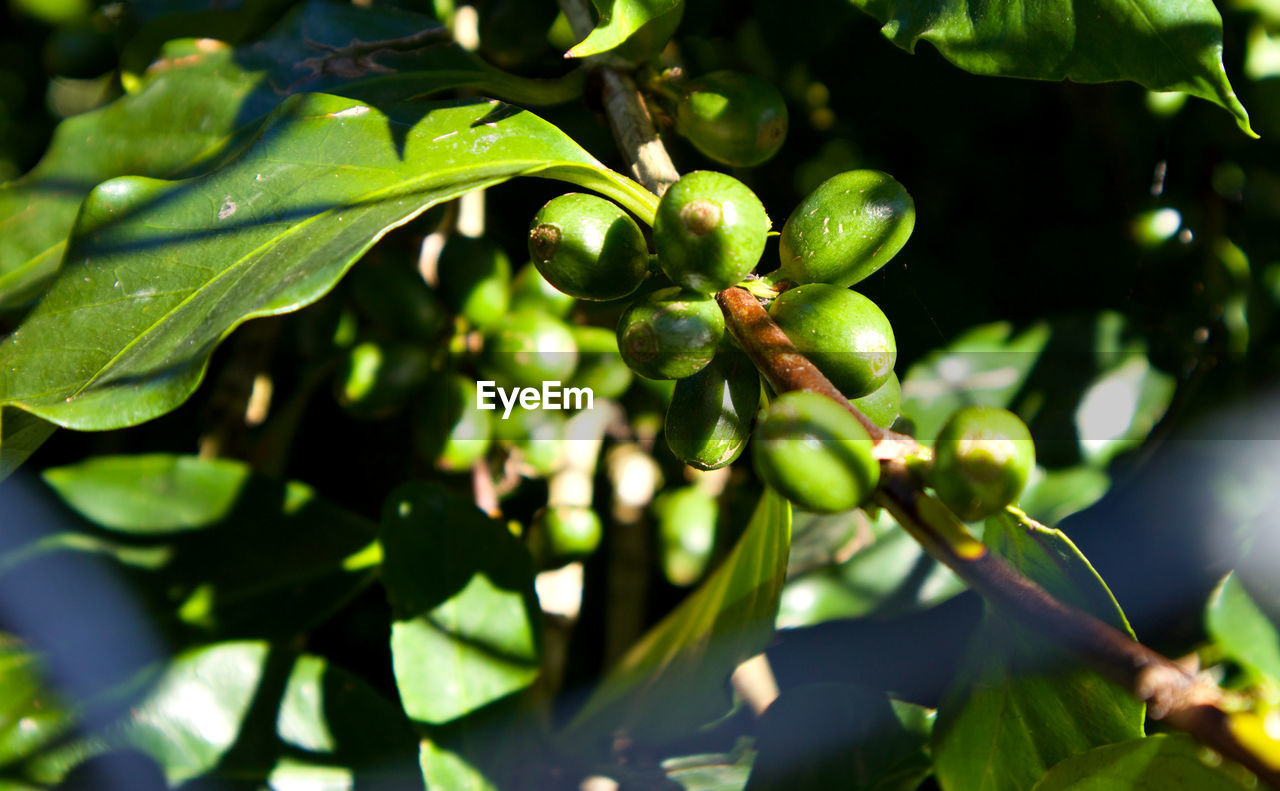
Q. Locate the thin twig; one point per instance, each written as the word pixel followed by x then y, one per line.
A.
pixel 628 116
pixel 1173 695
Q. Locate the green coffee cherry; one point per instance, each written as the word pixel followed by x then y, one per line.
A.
pixel 527 348
pixel 531 291
pixel 600 364
pixel 448 429
pixel 474 276
pixel 981 460
pixel 884 405
pixel 376 379
pixel 395 298
pixel 588 247
pixel 736 119
pixel 686 533
pixel 572 531
pixel 814 453
pixel 846 229
pixel 709 231
pixel 709 418
pixel 670 334
pixel 841 332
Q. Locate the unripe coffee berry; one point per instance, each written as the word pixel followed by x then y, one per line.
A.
pixel 709 231
pixel 670 334
pixel 840 331
pixel 474 278
pixel 814 453
pixel 846 229
pixel 588 247
pixel 981 460
pixel 528 348
pixel 736 119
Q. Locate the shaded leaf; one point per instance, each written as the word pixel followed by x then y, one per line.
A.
pixel 31 715
pixel 620 20
pixel 675 677
pixel 1163 45
pixel 201 99
pixel 467 628
pixel 20 434
pixel 824 736
pixel 183 525
pixel 1053 495
pixel 1019 705
pixel 713 771
pixel 159 272
pixel 1163 762
pixel 1243 631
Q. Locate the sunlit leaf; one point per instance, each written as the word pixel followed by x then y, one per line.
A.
pixel 621 20
pixel 1163 761
pixel 713 771
pixel 1243 630
pixel 1120 408
pixel 986 366
pixel 1019 705
pixel 675 677
pixel 1163 45
pixel 467 628
pixel 201 99
pixel 159 272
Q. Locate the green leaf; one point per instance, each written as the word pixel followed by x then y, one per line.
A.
pixel 1053 495
pixel 20 435
pixel 1243 631
pixel 621 20
pixel 888 574
pixel 1019 705
pixel 191 715
pixel 1163 45
pixel 184 526
pixel 675 677
pixel 1120 408
pixel 713 771
pixel 31 715
pixel 986 366
pixel 467 623
pixel 239 710
pixel 1164 762
pixel 159 273
pixel 201 99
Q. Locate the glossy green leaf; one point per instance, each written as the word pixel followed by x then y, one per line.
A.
pixel 31 715
pixel 620 20
pixel 201 99
pixel 1243 630
pixel 985 366
pixel 1163 45
pixel 20 434
pixel 446 768
pixel 159 272
pixel 1119 409
pixel 1053 495
pixel 674 678
pixel 1164 762
pixel 1018 704
pixel 187 523
pixel 467 628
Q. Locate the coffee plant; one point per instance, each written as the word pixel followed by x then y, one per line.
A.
pixel 642 394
